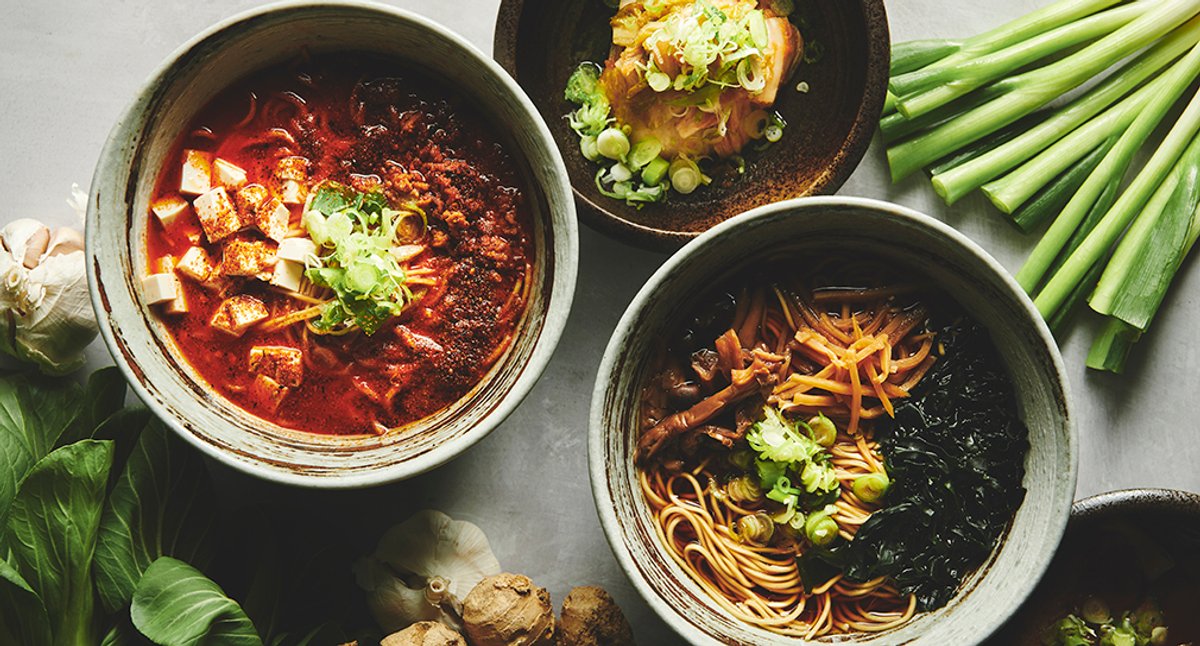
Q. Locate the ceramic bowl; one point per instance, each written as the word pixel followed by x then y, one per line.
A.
pixel 540 42
pixel 1167 518
pixel 869 228
pixel 116 245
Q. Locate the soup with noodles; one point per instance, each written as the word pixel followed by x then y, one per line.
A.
pixel 826 450
pixel 340 245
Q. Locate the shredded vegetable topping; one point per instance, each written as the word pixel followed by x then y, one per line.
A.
pixel 700 44
pixel 356 233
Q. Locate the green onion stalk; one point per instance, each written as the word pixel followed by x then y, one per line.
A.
pixel 1117 219
pixel 935 86
pixel 1040 86
pixel 909 58
pixel 1011 191
pixel 954 185
pixel 1110 171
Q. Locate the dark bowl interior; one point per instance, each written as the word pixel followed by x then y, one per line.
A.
pixel 1111 542
pixel 540 42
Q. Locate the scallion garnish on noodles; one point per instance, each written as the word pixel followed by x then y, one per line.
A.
pixel 355 233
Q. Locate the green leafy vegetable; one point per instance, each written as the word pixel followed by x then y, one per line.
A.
pixel 174 604
pixel 161 506
pixel 51 532
pixel 357 232
pixel 23 617
pixel 34 413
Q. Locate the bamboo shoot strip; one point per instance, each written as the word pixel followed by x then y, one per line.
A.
pixel 1101 239
pixel 915 54
pixel 1051 199
pixel 953 185
pixel 1149 254
pixel 1016 31
pixel 939 85
pixel 1040 86
pixel 1156 98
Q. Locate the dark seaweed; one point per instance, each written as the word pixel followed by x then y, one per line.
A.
pixel 956 455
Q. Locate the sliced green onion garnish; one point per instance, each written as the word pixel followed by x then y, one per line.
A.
pixel 655 172
pixel 612 143
pixel 643 152
pixel 685 175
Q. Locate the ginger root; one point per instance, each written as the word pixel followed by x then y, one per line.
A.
pixel 590 617
pixel 424 633
pixel 508 610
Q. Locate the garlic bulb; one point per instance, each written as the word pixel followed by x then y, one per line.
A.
pixel 45 315
pixel 423 568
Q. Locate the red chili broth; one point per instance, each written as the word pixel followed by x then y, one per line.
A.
pixel 470 314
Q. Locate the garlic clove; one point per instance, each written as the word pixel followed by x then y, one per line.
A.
pixel 26 239
pixel 64 241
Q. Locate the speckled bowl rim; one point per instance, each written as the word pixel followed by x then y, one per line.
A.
pixel 850 154
pixel 624 330
pixel 561 287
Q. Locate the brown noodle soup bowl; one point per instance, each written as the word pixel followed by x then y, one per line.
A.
pixel 116 243
pixel 920 245
pixel 540 42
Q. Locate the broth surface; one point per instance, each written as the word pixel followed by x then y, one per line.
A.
pixel 369 124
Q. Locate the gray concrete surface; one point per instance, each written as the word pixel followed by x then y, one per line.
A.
pixel 67 69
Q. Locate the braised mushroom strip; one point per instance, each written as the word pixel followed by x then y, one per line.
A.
pixel 339 245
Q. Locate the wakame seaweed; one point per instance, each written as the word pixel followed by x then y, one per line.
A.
pixel 956 455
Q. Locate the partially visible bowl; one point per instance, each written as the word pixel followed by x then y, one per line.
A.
pixel 116 242
pixel 871 229
pixel 540 42
pixel 1169 520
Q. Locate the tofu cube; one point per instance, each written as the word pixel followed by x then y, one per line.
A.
pixel 196 176
pixel 178 305
pixel 288 275
pixel 268 390
pixel 249 198
pixel 169 208
pixel 228 174
pixel 279 362
pixel 293 168
pixel 247 257
pixel 196 264
pixel 236 314
pixel 292 192
pixel 164 265
pixel 273 219
pixel 160 288
pixel 217 215
pixel 296 249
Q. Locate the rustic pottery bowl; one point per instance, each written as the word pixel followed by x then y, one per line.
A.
pixel 540 42
pixel 872 229
pixel 1168 518
pixel 116 245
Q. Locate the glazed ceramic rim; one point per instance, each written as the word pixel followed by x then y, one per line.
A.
pixel 1141 499
pixel 561 284
pixel 624 330
pixel 850 154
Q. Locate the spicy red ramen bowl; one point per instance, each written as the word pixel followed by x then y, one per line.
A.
pixel 331 244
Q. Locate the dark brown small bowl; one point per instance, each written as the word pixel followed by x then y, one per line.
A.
pixel 1099 525
pixel 540 42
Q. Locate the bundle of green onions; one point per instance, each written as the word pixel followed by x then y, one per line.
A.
pixel 978 114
